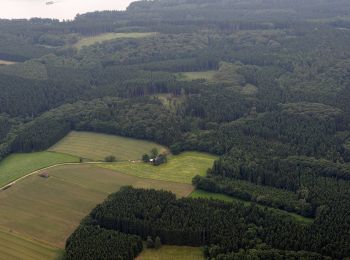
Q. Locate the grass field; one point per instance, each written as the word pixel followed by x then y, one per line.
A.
pixel 96 147
pixel 87 41
pixel 206 75
pixel 6 62
pixel 14 246
pixel 18 165
pixel 172 253
pixel 49 209
pixel 208 195
pixel 180 168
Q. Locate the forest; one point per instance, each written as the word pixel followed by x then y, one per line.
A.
pixel 264 85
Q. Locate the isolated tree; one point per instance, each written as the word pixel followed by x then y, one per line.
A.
pixel 154 152
pixel 157 243
pixel 149 242
pixel 110 158
pixel 145 158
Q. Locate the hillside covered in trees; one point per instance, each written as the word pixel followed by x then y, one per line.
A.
pixel 265 85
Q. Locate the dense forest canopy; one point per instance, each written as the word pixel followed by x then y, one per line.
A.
pixel 264 84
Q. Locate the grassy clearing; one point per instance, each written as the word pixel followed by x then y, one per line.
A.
pixel 49 209
pixel 96 147
pixel 171 101
pixel 87 41
pixel 172 253
pixel 7 62
pixel 197 75
pixel 180 168
pixel 208 195
pixel 18 165
pixel 14 246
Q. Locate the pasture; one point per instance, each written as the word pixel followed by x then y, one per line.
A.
pixel 87 41
pixel 172 253
pixel 49 209
pixel 18 165
pixel 180 168
pixel 14 246
pixel 97 147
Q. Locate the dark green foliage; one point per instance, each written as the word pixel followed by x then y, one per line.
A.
pixel 226 229
pixel 150 243
pixel 145 158
pixel 157 243
pixel 110 158
pixel 92 242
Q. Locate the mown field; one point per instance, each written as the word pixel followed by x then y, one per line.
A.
pixel 208 195
pixel 50 209
pixel 172 253
pixel 14 246
pixel 97 147
pixel 86 41
pixel 180 168
pixel 18 165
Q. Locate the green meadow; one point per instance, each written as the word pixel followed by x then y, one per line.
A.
pixel 87 41
pixel 18 165
pixel 179 168
pixel 96 147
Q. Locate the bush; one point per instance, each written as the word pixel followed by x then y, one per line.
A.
pixel 145 158
pixel 149 242
pixel 110 158
pixel 157 243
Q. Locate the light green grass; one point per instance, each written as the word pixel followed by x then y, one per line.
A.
pixel 208 195
pixel 49 209
pixel 180 168
pixel 197 75
pixel 87 41
pixel 14 246
pixel 172 253
pixel 97 147
pixel 18 165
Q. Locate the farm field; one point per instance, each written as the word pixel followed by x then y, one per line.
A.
pixel 96 147
pixel 14 246
pixel 208 195
pixel 18 165
pixel 179 168
pixel 86 41
pixel 172 253
pixel 49 209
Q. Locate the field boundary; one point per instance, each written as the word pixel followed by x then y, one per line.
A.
pixel 9 185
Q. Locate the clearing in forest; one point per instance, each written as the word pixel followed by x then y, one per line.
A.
pixel 179 168
pixel 97 147
pixel 49 209
pixel 172 253
pixel 197 75
pixel 87 41
pixel 18 165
